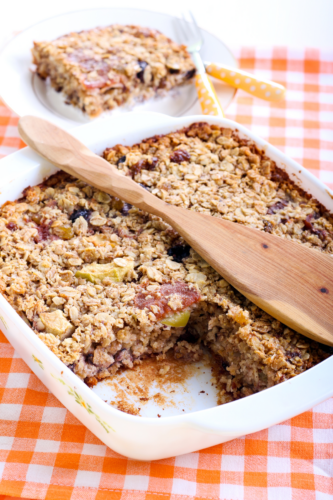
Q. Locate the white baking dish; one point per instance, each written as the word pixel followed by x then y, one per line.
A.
pixel 146 438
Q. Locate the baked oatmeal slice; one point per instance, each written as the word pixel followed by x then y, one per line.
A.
pixel 103 68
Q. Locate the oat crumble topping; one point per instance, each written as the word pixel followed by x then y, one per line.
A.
pixel 104 284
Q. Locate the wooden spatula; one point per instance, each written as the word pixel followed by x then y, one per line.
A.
pixel 289 281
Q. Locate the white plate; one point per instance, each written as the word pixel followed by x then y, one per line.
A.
pixel 26 94
pixel 203 423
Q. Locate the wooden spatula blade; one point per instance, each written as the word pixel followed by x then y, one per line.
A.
pixel 291 282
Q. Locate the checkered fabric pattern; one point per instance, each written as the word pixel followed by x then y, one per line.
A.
pixel 45 453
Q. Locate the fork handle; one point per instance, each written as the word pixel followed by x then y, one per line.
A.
pixel 208 99
pixel 264 89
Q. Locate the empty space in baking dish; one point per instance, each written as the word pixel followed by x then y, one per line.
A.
pixel 149 392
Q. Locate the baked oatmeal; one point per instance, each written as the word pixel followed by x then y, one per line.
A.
pixel 105 285
pixel 103 68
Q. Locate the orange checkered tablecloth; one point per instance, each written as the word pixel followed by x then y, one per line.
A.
pixel 46 453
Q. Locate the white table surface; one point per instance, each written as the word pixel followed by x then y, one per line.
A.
pixel 260 23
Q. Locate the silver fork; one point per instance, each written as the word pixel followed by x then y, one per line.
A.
pixel 192 38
